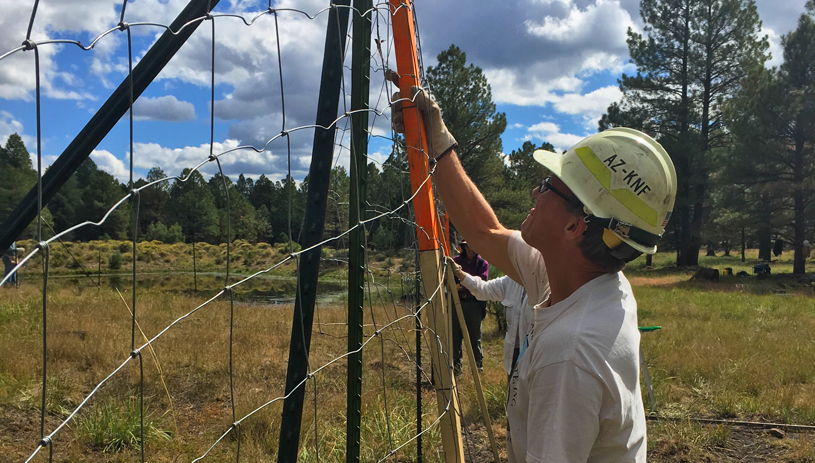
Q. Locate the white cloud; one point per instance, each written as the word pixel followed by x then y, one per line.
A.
pixel 163 108
pixel 512 88
pixel 589 104
pixel 8 126
pixel 106 161
pixel 550 132
pixel 239 159
pixel 17 76
pixel 605 20
pixel 602 61
pixel 776 49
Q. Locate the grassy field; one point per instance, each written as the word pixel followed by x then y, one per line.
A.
pixel 740 349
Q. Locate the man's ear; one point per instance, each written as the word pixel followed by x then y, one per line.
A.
pixel 575 228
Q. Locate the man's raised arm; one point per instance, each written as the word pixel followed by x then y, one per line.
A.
pixel 466 206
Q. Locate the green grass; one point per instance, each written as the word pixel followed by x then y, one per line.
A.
pixel 114 425
pixel 730 354
pixel 738 349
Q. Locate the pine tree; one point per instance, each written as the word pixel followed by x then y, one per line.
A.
pixel 693 55
pixel 153 199
pixel 17 176
pixel 193 207
pixel 773 123
pixel 465 97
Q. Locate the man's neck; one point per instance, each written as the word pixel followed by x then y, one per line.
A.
pixel 564 280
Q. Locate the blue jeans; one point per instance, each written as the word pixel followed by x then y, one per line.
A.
pixel 8 265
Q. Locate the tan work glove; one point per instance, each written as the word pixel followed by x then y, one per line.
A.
pixel 455 268
pixel 440 141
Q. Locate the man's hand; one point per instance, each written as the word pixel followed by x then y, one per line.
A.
pixel 440 139
pixel 456 269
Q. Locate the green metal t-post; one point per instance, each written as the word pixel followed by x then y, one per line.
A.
pixel 319 172
pixel 360 86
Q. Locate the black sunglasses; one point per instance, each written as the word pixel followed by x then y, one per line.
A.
pixel 546 185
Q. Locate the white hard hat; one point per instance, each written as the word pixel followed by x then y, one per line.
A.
pixel 625 179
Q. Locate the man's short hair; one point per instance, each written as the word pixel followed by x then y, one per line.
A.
pixel 594 249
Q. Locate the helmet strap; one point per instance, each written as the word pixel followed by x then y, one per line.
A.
pixel 611 239
pixel 625 252
pixel 617 248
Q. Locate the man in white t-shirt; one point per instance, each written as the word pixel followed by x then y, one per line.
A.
pixel 574 395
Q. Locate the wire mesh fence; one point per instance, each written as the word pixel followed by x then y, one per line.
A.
pixel 201 374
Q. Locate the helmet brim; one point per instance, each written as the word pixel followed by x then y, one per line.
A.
pixel 550 160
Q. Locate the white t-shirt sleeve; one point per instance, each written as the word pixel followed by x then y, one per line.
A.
pixel 563 415
pixel 492 290
pixel 529 265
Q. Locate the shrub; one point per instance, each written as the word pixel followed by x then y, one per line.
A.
pixel 115 261
pixel 181 248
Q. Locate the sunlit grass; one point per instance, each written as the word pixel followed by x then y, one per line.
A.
pixel 739 349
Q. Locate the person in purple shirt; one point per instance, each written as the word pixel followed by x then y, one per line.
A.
pixel 474 310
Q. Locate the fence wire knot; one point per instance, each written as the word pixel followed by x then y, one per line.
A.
pixel 45 441
pixel 123 26
pixel 135 353
pixel 29 44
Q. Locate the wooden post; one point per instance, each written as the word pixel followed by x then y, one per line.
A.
pixel 468 347
pixel 435 312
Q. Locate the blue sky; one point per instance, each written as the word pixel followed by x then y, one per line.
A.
pixel 552 65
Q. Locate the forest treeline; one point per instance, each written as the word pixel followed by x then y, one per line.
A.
pixel 740 135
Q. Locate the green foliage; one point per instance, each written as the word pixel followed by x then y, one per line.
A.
pixel 156 231
pixel 111 427
pixel 691 57
pixel 382 239
pixel 513 201
pixel 192 205
pixel 17 176
pixel 243 223
pixel 771 160
pixel 115 260
pixel 468 111
pixel 336 214
pixel 152 200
